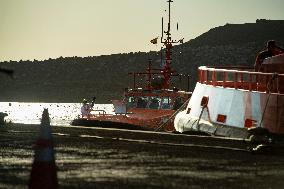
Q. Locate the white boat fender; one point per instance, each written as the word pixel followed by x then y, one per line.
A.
pixel 260 139
pixel 261 149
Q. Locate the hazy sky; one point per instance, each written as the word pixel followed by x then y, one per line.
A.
pixel 39 29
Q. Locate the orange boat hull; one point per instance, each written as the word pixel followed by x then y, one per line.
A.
pixel 135 118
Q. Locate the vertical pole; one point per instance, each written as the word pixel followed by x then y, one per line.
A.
pixel 250 82
pixel 149 74
pixel 277 85
pixel 134 80
pixel 168 43
pixel 187 82
pixel 162 30
pixel 214 77
pixel 224 78
pixel 242 80
pixel 256 81
pixel 236 80
pixel 180 83
pixel 169 24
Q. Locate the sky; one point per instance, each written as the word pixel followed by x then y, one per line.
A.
pixel 42 29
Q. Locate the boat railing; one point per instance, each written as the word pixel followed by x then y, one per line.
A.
pixel 242 79
pixel 99 112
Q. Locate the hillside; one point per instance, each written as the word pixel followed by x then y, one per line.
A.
pixel 71 79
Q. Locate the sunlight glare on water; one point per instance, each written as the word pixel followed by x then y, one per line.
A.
pixel 59 113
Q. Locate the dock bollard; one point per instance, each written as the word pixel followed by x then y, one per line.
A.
pixel 44 171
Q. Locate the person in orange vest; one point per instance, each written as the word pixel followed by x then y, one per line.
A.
pixel 271 50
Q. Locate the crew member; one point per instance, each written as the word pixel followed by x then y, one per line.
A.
pixel 93 101
pixel 2 120
pixel 86 108
pixel 271 50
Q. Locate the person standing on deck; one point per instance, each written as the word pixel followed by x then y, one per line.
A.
pixel 93 101
pixel 271 50
pixel 86 108
pixel 2 120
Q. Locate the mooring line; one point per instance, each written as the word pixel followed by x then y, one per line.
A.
pixel 138 141
pixel 165 143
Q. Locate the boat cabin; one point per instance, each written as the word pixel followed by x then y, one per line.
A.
pixel 155 99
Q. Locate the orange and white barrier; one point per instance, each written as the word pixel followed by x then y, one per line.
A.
pixel 233 107
pixel 44 171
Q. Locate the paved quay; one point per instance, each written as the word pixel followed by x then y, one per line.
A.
pixel 112 158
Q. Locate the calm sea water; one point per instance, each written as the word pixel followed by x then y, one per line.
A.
pixel 59 113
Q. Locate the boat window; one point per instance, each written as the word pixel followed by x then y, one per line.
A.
pixel 142 102
pixel 154 102
pixel 131 102
pixel 166 103
pixel 178 103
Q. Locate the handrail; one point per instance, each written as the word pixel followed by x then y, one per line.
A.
pixel 242 79
pixel 232 67
pixel 103 111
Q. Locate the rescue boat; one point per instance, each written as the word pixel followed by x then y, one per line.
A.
pixel 237 102
pixel 151 106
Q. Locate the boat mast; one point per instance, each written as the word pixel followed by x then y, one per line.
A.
pixel 166 71
pixel 168 43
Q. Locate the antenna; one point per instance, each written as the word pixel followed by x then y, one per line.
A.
pixel 162 29
pixel 168 43
pixel 169 23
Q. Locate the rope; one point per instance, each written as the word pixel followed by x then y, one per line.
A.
pixel 201 113
pixel 161 125
pixel 269 86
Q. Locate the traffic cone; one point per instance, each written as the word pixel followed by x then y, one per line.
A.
pixel 44 173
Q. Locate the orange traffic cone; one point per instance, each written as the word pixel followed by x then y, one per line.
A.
pixel 43 174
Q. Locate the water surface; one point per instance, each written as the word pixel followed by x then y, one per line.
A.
pixel 60 113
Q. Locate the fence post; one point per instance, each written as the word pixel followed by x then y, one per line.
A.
pixel 242 80
pixel 206 75
pixel 257 81
pixel 224 78
pixel 236 80
pixel 200 76
pixel 214 77
pixel 250 80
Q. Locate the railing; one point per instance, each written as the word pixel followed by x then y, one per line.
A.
pixel 100 112
pixel 247 80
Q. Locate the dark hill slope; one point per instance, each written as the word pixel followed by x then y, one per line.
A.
pixel 237 34
pixel 73 78
pixel 231 44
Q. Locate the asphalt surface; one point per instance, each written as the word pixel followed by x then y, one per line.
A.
pixel 110 158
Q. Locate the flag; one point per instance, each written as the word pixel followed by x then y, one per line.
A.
pixel 181 40
pixel 154 41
